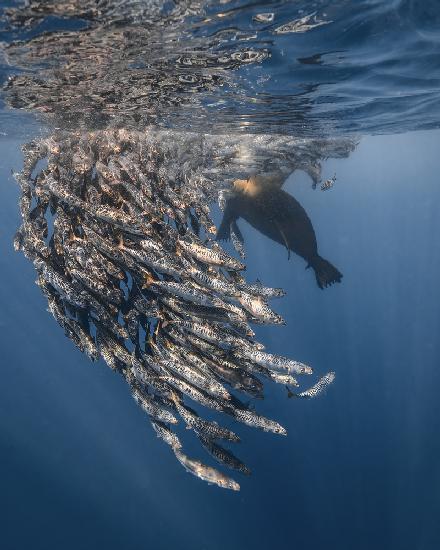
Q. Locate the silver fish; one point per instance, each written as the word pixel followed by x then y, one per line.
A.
pixel 153 408
pixel 258 289
pixel 204 427
pixel 182 290
pixel 256 421
pixel 211 256
pixel 206 473
pixel 273 361
pixel 164 433
pixel 223 456
pixel 259 309
pixel 319 387
pixel 214 283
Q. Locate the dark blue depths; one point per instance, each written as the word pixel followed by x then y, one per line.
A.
pixel 81 469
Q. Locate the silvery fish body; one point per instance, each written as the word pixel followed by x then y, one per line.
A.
pixel 259 309
pixel 319 387
pixel 256 421
pixel 214 283
pixel 106 352
pixel 223 456
pixel 222 198
pixel 204 331
pixel 211 256
pixel 150 245
pixel 236 311
pixel 153 408
pixel 109 266
pixel 285 379
pixel 160 263
pixel 148 375
pixel 102 315
pixel 184 291
pixel 64 194
pixel 328 184
pixel 149 308
pixel 33 240
pixel 131 320
pixel 104 290
pixel 273 361
pixel 117 349
pixel 164 433
pixel 139 198
pixel 234 375
pixel 189 373
pixel 60 283
pixel 205 427
pixel 194 393
pixel 209 313
pixel 258 289
pixel 72 328
pixel 214 387
pixel 109 249
pixel 201 345
pixel 117 218
pixel 206 473
pixel 105 172
pixel 237 242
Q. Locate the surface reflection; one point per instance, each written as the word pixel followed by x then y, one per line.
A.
pixel 289 67
pixel 261 202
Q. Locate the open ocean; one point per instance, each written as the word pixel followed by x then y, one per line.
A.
pixel 356 86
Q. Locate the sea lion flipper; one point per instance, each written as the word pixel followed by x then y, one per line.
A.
pixel 283 235
pixel 229 216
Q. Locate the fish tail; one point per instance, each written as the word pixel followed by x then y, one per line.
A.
pixel 326 273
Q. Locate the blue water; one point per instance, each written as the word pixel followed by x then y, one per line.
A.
pixel 359 469
pixel 80 466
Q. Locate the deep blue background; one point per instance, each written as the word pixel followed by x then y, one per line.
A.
pixel 81 468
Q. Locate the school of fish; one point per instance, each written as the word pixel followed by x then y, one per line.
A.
pixel 125 254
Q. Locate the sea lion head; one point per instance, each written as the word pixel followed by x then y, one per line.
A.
pixel 251 186
pixel 259 182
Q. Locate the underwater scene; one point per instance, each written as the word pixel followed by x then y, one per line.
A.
pixel 220 266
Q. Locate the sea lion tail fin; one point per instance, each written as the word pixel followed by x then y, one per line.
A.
pixel 326 273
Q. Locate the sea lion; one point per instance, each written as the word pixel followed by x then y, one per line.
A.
pixel 264 205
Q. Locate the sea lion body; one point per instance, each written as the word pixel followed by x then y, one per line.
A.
pixel 279 216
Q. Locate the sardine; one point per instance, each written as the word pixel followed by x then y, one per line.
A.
pixel 206 473
pixel 204 427
pixel 211 256
pixel 273 361
pixel 223 456
pixel 259 309
pixel 256 421
pixel 153 408
pixel 164 433
pixel 319 387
